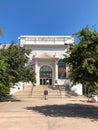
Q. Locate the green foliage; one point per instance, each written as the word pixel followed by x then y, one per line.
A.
pixel 4 81
pixel 83 59
pixel 16 59
pixel 13 69
pixel 29 74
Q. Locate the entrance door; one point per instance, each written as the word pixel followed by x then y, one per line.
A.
pixel 45 75
pixel 43 81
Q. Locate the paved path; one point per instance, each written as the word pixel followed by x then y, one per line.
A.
pixel 52 114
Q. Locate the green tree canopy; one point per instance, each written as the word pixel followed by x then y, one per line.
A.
pixel 13 67
pixel 83 59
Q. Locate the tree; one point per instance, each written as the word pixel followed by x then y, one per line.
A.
pixel 13 68
pixel 83 59
pixel 4 83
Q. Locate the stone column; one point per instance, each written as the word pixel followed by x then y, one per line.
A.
pixel 67 71
pixel 56 70
pixel 36 72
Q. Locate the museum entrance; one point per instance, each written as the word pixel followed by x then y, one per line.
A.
pixel 45 75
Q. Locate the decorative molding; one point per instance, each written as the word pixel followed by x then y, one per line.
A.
pixel 46 38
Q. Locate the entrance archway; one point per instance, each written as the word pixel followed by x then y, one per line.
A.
pixel 45 75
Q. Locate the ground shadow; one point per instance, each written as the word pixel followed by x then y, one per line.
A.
pixel 68 110
pixel 10 98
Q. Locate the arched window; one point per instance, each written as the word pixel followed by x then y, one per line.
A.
pixel 45 72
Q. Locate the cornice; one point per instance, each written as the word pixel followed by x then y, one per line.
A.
pixel 45 38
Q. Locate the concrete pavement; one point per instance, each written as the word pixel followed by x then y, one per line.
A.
pixel 52 114
pixel 73 113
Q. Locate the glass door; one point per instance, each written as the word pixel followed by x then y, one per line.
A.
pixel 45 75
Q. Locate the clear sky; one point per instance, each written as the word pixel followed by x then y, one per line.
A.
pixel 45 17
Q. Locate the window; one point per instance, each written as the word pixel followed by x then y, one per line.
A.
pixel 61 70
pixel 45 72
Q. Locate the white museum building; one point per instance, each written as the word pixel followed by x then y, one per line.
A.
pixel 46 57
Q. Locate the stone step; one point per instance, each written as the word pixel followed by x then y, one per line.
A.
pixel 41 95
pixel 38 92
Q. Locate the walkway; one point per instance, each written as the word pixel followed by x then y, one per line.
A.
pixel 52 114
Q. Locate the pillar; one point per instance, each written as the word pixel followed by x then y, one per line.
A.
pixel 56 70
pixel 37 72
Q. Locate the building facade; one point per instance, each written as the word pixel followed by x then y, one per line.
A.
pixel 46 57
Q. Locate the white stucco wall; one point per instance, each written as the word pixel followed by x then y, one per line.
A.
pixel 46 50
pixel 61 81
pixel 77 89
pixel 52 45
pixel 16 88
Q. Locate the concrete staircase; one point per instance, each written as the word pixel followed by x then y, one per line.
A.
pixel 38 92
pixel 26 92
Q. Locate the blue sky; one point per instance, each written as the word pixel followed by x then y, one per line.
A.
pixel 45 17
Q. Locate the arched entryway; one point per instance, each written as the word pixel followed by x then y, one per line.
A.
pixel 45 75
